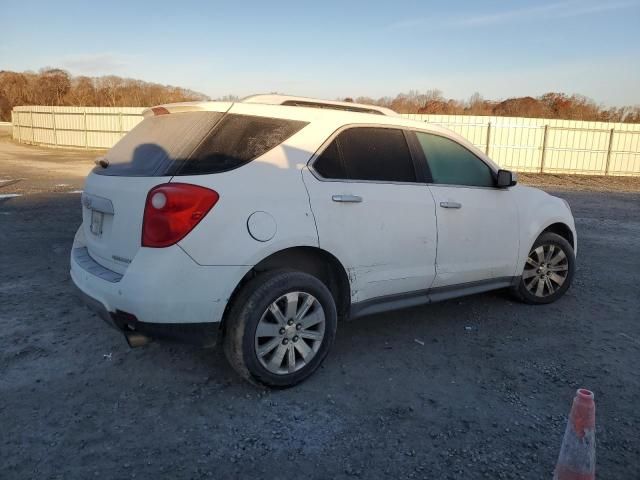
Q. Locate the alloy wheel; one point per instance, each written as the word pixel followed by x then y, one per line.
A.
pixel 546 270
pixel 290 333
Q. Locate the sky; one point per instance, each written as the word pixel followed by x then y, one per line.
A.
pixel 333 49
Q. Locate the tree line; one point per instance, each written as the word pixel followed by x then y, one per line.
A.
pixel 549 105
pixel 54 86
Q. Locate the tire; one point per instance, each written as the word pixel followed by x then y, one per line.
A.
pixel 553 265
pixel 260 359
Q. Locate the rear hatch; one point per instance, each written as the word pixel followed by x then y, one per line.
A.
pixel 114 196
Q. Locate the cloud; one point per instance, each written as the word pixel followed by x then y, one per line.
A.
pixel 97 63
pixel 578 11
pixel 566 9
pixel 509 15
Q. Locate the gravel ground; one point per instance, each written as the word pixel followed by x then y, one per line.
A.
pixel 581 183
pixel 478 387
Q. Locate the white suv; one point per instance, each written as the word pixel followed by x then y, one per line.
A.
pixel 262 223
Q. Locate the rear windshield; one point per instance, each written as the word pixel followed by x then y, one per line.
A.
pixel 195 143
pixel 155 143
pixel 237 140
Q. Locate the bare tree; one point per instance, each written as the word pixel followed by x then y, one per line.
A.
pixel 53 86
pixel 82 92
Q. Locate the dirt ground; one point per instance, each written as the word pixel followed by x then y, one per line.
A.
pixel 580 183
pixel 478 387
pixel 26 169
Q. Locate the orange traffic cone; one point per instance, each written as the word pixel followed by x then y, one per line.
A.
pixel 577 459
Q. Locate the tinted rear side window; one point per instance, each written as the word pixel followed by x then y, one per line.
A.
pixel 153 145
pixel 378 154
pixel 236 140
pixel 329 163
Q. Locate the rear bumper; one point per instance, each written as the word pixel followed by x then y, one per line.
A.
pixel 163 292
pixel 201 334
pixel 95 306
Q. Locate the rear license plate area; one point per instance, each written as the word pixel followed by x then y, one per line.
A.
pixel 97 219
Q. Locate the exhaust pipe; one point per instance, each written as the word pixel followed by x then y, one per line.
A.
pixel 135 339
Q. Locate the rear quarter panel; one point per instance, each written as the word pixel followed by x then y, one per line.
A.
pixel 271 183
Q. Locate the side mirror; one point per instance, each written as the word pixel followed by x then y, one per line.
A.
pixel 506 178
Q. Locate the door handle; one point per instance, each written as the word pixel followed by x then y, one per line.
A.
pixel 450 205
pixel 347 198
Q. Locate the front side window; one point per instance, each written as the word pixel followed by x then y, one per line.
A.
pixel 452 164
pixel 368 153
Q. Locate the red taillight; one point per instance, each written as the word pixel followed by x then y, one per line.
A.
pixel 172 210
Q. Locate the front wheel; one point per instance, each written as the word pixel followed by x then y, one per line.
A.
pixel 548 271
pixel 280 328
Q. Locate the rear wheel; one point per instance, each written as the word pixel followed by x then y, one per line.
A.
pixel 280 328
pixel 548 270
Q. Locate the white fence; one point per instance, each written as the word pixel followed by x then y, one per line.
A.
pixel 548 145
pixel 84 127
pixel 520 144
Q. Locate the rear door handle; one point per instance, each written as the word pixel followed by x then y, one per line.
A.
pixel 347 198
pixel 450 205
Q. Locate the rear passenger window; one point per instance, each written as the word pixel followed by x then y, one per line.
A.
pixel 452 164
pixel 329 164
pixel 379 154
pixel 236 140
pixel 368 153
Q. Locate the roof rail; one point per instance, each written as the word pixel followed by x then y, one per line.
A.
pixel 291 101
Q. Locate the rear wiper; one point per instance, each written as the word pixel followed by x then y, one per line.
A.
pixel 102 162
